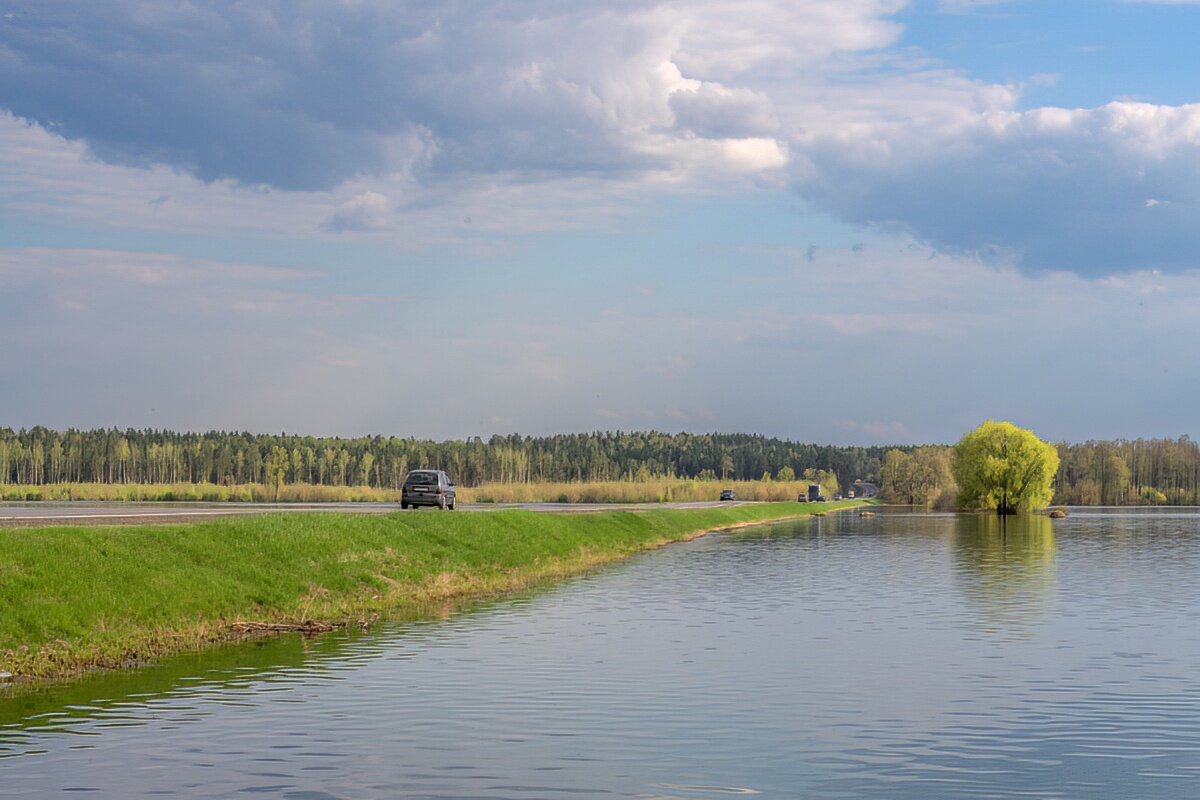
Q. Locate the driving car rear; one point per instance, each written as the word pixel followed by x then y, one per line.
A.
pixel 427 487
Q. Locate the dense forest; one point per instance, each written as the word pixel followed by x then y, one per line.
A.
pixel 1142 471
pixel 1154 471
pixel 1151 471
pixel 42 456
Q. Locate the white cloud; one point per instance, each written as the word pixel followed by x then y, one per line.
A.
pixel 408 119
pixel 1048 188
pixel 729 39
pixel 363 212
pixel 305 95
pixel 46 178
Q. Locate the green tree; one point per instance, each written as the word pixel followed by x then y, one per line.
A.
pixel 297 465
pixel 1114 480
pixel 726 466
pixel 276 468
pixel 1000 466
pixel 916 478
pixel 894 476
pixel 785 474
pixel 365 465
pixel 1152 496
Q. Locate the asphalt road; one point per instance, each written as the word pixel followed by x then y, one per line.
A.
pixel 89 513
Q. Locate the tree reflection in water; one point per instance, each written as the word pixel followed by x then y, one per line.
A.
pixel 1006 568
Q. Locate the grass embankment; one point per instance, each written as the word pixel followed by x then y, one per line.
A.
pixel 655 490
pixel 75 598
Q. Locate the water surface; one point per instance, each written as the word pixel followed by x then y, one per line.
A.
pixel 905 655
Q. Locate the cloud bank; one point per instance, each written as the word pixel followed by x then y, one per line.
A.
pixel 1089 190
pixel 160 340
pixel 362 114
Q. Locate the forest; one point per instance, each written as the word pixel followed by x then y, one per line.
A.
pixel 39 456
pixel 1141 471
pixel 1121 472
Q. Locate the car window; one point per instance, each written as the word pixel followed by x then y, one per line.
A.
pixel 422 478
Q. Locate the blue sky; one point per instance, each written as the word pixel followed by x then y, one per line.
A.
pixel 864 221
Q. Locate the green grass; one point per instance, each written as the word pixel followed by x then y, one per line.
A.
pixel 73 598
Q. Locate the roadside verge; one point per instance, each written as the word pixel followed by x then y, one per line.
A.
pixel 74 599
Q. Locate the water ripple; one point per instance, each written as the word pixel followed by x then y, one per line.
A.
pixel 908 656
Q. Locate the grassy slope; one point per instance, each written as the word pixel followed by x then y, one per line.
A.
pixel 73 598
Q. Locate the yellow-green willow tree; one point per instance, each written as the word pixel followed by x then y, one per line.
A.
pixel 1000 466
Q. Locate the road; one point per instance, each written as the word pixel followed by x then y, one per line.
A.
pixel 94 513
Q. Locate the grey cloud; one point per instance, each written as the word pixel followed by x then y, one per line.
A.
pixel 1093 191
pixel 216 89
pixel 714 112
pixel 304 95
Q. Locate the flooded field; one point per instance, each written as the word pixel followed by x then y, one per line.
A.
pixel 905 655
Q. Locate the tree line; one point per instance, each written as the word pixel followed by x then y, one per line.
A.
pixel 43 456
pixel 1121 472
pixel 1153 471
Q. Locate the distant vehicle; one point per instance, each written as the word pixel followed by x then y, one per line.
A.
pixel 822 499
pixel 814 492
pixel 427 487
pixel 727 494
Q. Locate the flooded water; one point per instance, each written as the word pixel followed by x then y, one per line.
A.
pixel 900 656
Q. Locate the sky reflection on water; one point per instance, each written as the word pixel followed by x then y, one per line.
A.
pixel 906 655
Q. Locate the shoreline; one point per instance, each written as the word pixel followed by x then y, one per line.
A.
pixel 185 587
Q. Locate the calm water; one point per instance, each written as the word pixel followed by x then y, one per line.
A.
pixel 902 656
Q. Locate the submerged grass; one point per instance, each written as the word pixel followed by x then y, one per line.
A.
pixel 75 598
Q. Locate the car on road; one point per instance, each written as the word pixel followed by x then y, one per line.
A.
pixel 427 487
pixel 727 494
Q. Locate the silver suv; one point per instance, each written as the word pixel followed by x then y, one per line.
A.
pixel 427 487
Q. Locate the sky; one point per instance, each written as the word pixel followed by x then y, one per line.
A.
pixel 836 221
